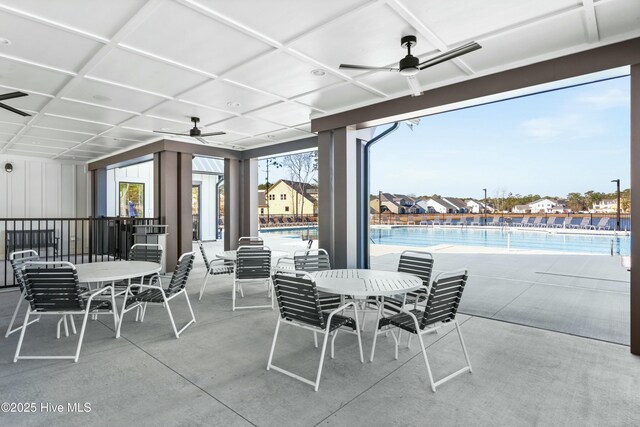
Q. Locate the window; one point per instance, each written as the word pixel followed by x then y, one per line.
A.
pixel 272 196
pixel 286 208
pixel 261 211
pixel 283 197
pixel 131 199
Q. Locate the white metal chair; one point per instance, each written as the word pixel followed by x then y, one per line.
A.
pixel 154 293
pixel 250 241
pixel 300 306
pixel 253 264
pixel 52 289
pixel 442 305
pixel 214 267
pixel 17 260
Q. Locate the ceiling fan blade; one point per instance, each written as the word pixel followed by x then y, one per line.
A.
pixel 450 54
pixel 204 141
pixel 12 95
pixel 171 133
pixel 366 67
pixel 14 110
pixel 414 85
pixel 212 134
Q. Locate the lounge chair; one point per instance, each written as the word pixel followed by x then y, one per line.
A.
pixel 566 223
pixel 448 220
pixel 551 223
pixel 523 223
pixel 603 224
pixel 584 224
pixel 495 221
pixel 537 221
pixel 475 220
pixel 462 222
pixel 423 221
pixel 410 220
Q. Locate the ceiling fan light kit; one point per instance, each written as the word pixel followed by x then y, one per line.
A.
pixel 409 66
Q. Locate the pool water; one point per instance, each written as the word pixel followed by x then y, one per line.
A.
pixel 493 238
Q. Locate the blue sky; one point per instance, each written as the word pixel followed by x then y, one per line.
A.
pixel 553 143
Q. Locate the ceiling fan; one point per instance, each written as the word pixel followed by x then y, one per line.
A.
pixel 410 65
pixel 194 132
pixel 11 96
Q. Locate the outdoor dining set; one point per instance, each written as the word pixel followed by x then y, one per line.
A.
pixel 309 294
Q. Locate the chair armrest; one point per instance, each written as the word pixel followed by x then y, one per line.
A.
pixel 98 292
pixel 341 308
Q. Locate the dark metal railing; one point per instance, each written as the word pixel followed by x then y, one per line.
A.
pixel 76 240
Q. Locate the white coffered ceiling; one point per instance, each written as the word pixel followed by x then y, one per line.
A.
pixel 102 75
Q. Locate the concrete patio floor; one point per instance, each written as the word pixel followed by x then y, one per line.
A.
pixel 215 373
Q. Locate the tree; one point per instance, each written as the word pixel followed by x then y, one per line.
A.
pixel 302 171
pixel 575 202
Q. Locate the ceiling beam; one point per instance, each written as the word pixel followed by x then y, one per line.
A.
pixel 591 22
pixel 577 64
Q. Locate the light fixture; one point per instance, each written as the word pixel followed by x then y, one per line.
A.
pixel 101 98
pixel 4 41
pixel 318 72
pixel 233 104
pixel 8 167
pixel 409 71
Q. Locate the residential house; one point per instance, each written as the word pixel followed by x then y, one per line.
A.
pixel 477 206
pixel 605 206
pixel 396 203
pixel 543 205
pixel 290 198
pixel 521 209
pixel 262 202
pixel 443 205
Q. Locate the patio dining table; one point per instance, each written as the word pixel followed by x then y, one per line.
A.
pixel 361 283
pixel 233 254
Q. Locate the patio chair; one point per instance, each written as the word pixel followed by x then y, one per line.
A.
pixel 463 222
pixel 154 293
pixel 317 260
pixel 566 222
pixel 299 305
pixel 603 224
pixel 147 252
pixel 448 220
pixel 436 221
pixel 17 260
pixel 250 241
pixel 442 305
pixel 475 220
pixel 410 220
pixel 585 224
pixel 423 220
pixel 215 267
pixel 523 223
pixel 253 264
pixel 52 288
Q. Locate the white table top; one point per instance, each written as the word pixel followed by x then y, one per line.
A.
pixel 115 270
pixel 364 283
pixel 231 255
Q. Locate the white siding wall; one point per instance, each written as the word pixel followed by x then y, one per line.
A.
pixel 41 188
pixel 142 173
pixel 208 204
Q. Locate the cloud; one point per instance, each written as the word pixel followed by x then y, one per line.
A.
pixel 603 100
pixel 563 127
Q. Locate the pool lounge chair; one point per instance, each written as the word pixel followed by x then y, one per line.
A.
pixel 448 220
pixel 551 223
pixel 523 223
pixel 566 223
pixel 536 222
pixel 436 221
pixel 410 220
pixel 603 224
pixel 423 221
pixel 584 224
pixel 462 222
pixel 475 220
pixel 495 221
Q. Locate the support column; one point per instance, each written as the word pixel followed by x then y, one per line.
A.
pixel 174 202
pixel 338 196
pixel 99 192
pixel 249 206
pixel 232 181
pixel 635 210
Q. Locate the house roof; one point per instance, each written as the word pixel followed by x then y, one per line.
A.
pixel 542 200
pixel 458 203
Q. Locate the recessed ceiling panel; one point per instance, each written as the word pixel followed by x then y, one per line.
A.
pixel 5 137
pixel 179 33
pixel 281 74
pixel 10 117
pixel 25 145
pixel 266 17
pixel 30 104
pixel 288 114
pixel 132 135
pixel 370 37
pixel 286 135
pixel 112 96
pixel 618 17
pixel 227 96
pixel 10 128
pixel 339 97
pixel 455 21
pixel 182 112
pixel 135 70
pixel 70 124
pixel 74 13
pixel 57 134
pixel 44 44
pixel 246 126
pixel 87 112
pixel 45 142
pixel 111 144
pixel 542 39
pixel 153 123
pixel 24 151
pixel 29 77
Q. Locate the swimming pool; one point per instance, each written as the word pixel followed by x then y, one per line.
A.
pixel 493 238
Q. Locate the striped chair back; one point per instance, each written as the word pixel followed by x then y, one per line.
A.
pixel 312 260
pixel 250 241
pixel 603 222
pixel 204 254
pixel 253 262
pixel 417 263
pixel 18 260
pixel 181 273
pixel 298 298
pixel 52 286
pixel 146 252
pixel 444 298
